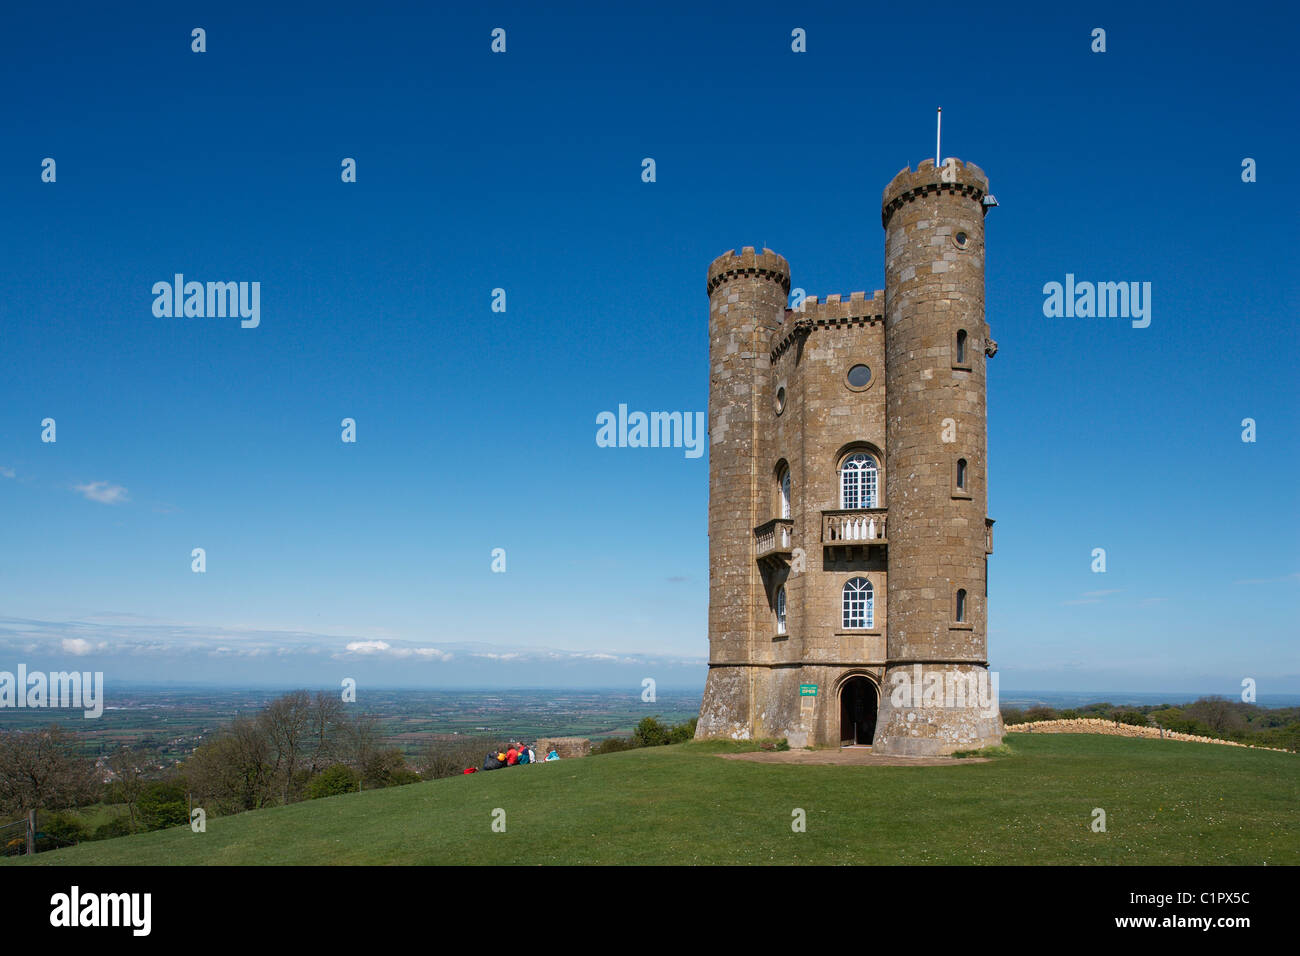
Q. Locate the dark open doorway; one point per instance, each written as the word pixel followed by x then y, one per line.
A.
pixel 858 705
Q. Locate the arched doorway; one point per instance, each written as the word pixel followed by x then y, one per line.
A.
pixel 858 706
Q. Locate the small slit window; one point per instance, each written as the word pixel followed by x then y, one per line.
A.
pixel 961 474
pixel 780 611
pixel 961 605
pixel 961 346
pixel 785 493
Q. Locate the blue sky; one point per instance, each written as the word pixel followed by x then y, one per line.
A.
pixel 476 429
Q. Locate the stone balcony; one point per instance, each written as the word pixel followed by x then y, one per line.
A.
pixel 988 535
pixel 854 526
pixel 772 540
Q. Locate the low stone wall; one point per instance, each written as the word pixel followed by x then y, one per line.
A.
pixel 566 747
pixel 1098 725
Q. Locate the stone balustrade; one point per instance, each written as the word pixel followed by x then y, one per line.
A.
pixel 854 526
pixel 774 537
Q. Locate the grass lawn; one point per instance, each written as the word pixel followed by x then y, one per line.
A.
pixel 1166 802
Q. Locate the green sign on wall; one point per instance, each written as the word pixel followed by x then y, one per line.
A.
pixel 807 690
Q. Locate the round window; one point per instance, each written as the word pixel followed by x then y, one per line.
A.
pixel 859 376
pixel 961 239
pixel 780 400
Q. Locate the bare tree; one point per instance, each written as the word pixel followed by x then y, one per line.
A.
pixel 130 768
pixel 233 771
pixel 40 770
pixel 287 723
pixel 327 721
pixel 449 756
pixel 359 742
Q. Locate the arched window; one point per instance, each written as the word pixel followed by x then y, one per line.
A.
pixel 961 346
pixel 780 611
pixel 961 474
pixel 858 481
pixel 859 605
pixel 785 492
pixel 961 605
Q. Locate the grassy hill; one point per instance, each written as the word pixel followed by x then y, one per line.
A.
pixel 1166 803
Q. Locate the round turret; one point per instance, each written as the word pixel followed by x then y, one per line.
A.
pixel 747 300
pixel 936 467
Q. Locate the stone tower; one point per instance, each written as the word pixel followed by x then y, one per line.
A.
pixel 747 305
pixel 936 470
pixel 848 536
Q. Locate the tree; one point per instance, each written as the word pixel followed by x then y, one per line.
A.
pixel 287 723
pixel 1218 714
pixel 1134 718
pixel 332 781
pixel 163 804
pixel 40 770
pixel 129 770
pixel 327 720
pixel 358 742
pixel 232 772
pixel 683 732
pixel 650 733
pixel 60 829
pixel 449 756
pixel 387 768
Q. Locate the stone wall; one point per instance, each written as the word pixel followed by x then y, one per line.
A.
pixel 1097 725
pixel 566 747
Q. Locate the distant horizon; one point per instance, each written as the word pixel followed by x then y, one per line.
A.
pixel 1282 699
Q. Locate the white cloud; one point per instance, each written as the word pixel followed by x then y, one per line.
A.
pixel 120 634
pixel 388 650
pixel 103 492
pixel 368 647
pixel 6 472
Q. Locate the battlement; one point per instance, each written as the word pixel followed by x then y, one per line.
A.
pixel 836 310
pixel 964 179
pixel 747 262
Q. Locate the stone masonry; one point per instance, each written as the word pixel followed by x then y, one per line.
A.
pixel 790 431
